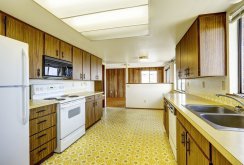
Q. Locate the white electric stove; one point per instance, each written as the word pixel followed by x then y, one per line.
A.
pixel 70 113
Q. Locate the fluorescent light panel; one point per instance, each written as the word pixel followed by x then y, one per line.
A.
pixel 70 8
pixel 110 19
pixel 140 30
pixel 102 19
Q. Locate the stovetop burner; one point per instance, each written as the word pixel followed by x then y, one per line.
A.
pixel 54 98
pixel 60 99
pixel 65 96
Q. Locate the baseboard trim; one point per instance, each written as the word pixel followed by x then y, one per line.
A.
pixel 144 108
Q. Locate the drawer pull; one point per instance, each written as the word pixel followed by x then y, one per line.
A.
pixel 41 136
pixel 43 121
pixel 41 111
pixel 42 150
pixel 183 138
pixel 188 146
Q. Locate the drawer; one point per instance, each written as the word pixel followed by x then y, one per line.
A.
pixel 42 123
pixel 98 96
pixel 42 137
pixel 90 98
pixel 42 111
pixel 38 154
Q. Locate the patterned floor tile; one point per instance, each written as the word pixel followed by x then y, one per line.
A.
pixel 121 137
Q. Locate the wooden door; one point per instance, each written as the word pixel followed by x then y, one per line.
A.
pixel 93 67
pixel 77 64
pixel 86 66
pixel 178 61
pixel 194 154
pixel 212 40
pixel 99 69
pixel 115 81
pixel 34 38
pixel 180 143
pixel 14 29
pixel 52 45
pixel 193 53
pixel 2 24
pixel 183 48
pixel 65 51
pixel 90 115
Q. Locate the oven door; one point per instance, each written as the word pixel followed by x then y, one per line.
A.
pixel 72 117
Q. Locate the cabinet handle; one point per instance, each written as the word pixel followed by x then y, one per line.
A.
pixel 42 150
pixel 38 72
pixel 41 136
pixel 96 103
pixel 43 121
pixel 41 111
pixel 62 54
pixel 81 76
pixel 183 136
pixel 188 145
pixel 57 53
pixel 84 76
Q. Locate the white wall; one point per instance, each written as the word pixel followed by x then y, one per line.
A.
pixel 70 86
pixel 146 95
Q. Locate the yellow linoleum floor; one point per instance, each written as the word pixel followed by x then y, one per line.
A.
pixel 122 136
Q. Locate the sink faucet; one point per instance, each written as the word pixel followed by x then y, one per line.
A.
pixel 238 108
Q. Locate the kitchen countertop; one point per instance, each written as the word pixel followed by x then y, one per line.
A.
pixel 229 143
pixel 40 103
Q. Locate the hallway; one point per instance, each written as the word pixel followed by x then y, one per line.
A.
pixel 121 137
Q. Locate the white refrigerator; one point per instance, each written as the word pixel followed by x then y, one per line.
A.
pixel 14 102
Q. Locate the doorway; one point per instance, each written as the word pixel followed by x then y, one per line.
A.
pixel 115 91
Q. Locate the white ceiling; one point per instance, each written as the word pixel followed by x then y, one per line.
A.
pixel 169 20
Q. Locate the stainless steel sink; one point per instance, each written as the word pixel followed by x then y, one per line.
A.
pixel 209 109
pixel 231 122
pixel 219 117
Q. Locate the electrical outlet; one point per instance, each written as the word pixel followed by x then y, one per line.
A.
pixel 203 84
pixel 223 85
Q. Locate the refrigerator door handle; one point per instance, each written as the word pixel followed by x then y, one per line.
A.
pixel 24 68
pixel 25 109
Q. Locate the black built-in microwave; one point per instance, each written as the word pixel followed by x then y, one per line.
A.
pixel 56 68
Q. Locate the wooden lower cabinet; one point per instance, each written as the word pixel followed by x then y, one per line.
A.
pixel 43 133
pixel 218 158
pixel 181 143
pixel 188 151
pixel 94 109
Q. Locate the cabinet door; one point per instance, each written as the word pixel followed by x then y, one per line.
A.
pixel 93 67
pixel 86 66
pixel 99 69
pixel 90 113
pixel 212 29
pixel 184 56
pixel 218 158
pixel 98 109
pixel 14 29
pixel 194 154
pixel 77 64
pixel 65 51
pixel 35 39
pixel 51 46
pixel 178 61
pixel 180 143
pixel 2 24
pixel 192 51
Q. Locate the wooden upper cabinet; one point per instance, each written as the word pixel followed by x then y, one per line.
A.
pixel 34 38
pixel 212 44
pixel 203 47
pixel 178 61
pixel 99 68
pixel 14 29
pixel 77 64
pixel 2 24
pixel 93 67
pixel 65 51
pixel 86 66
pixel 52 45
pixel 192 51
